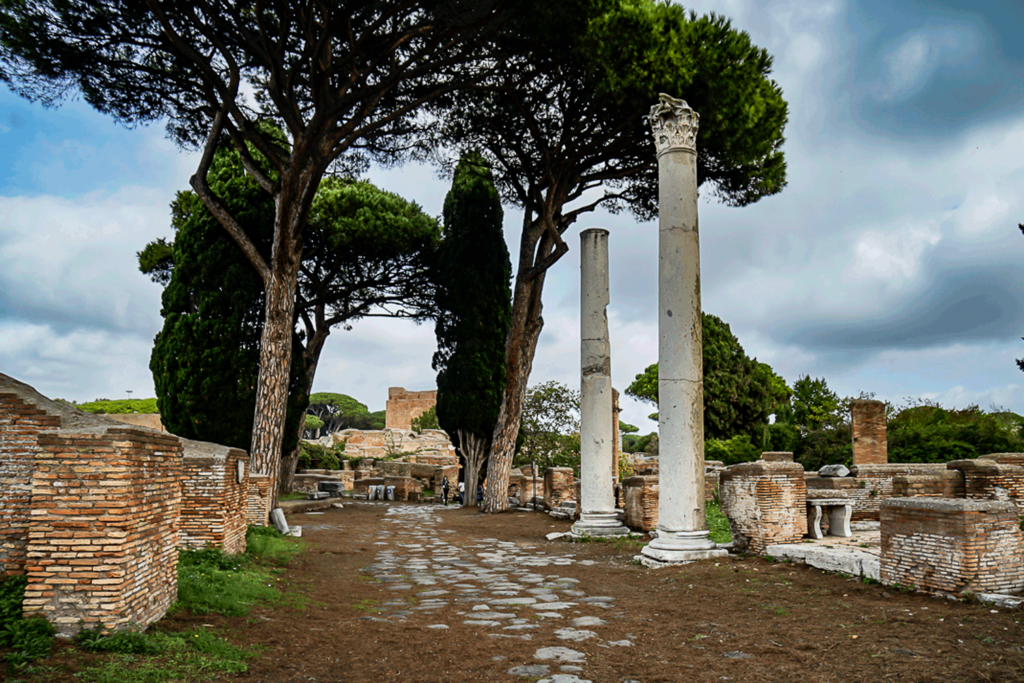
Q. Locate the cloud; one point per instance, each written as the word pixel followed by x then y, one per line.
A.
pixel 908 65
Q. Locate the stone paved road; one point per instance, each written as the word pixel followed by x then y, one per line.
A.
pixel 503 589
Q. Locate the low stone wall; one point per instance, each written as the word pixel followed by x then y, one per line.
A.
pixel 766 503
pixel 874 483
pixel 309 482
pixel 215 487
pixel 105 519
pixel 559 486
pixel 361 485
pixel 949 484
pixel 711 485
pixel 450 471
pixel 952 546
pixel 256 511
pixel 406 488
pixel 147 420
pixel 640 502
pixel 988 479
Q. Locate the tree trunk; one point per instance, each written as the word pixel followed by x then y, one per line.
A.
pixel 474 450
pixel 311 358
pixel 524 331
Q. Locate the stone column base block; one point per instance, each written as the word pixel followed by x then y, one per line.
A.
pixel 682 547
pixel 599 524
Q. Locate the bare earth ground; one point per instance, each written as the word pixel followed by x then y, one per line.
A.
pixel 738 619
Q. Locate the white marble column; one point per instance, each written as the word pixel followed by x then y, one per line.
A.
pixel 682 529
pixel 597 507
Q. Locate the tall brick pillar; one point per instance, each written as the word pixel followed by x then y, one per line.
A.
pixel 869 444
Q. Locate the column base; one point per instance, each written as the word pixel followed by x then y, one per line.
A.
pixel 679 547
pixel 598 524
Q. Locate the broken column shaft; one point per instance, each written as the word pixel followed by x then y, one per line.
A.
pixel 597 493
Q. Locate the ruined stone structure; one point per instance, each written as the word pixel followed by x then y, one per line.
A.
pixel 147 420
pixel 682 528
pixel 597 432
pixel 215 483
pixel 989 479
pixel 870 446
pixel 640 494
pixel 403 406
pixel 432 446
pixel 559 486
pixel 91 510
pixel 765 502
pixel 952 546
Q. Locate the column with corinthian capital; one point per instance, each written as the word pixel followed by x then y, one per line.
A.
pixel 682 534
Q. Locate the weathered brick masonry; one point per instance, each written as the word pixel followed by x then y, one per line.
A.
pixel 952 545
pixel 870 446
pixel 91 510
pixel 641 502
pixel 765 502
pixel 214 496
pixel 103 536
pixel 559 486
pixel 988 479
pixel 403 406
pixel 874 483
pixel 948 484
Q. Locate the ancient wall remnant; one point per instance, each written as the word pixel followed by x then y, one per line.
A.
pixel 766 503
pixel 103 537
pixel 871 484
pixel 256 499
pixel 869 443
pixel 147 420
pixel 640 502
pixel 214 496
pixel 952 546
pixel 91 510
pixel 988 479
pixel 403 406
pixel 948 484
pixel 559 486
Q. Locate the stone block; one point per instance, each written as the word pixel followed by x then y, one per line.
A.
pixel 834 471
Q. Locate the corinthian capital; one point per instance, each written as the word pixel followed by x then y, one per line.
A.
pixel 674 125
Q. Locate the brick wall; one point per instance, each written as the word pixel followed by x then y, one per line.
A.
pixel 256 501
pixel 874 483
pixel 559 486
pixel 869 443
pixel 214 501
pixel 988 479
pixel 952 546
pixel 948 484
pixel 1005 458
pixel 403 406
pixel 307 482
pixel 102 544
pixel 450 471
pixel 20 426
pixel 640 502
pixel 406 488
pixel 766 503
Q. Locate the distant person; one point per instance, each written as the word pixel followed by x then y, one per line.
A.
pixel 445 486
pixel 462 493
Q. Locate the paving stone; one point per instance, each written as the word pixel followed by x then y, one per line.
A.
pixel 481 622
pixel 574 634
pixel 564 678
pixel 560 654
pixel 589 621
pixel 439 627
pixel 530 670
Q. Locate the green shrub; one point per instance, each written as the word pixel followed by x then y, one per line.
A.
pixel 124 642
pixel 731 451
pixel 718 523
pixel 28 639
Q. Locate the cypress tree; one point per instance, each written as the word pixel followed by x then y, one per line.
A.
pixel 474 306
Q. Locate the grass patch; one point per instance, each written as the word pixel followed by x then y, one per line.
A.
pixel 294 495
pixel 194 655
pixel 718 523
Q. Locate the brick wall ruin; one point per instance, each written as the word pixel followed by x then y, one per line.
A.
pixel 948 484
pixel 988 479
pixel 765 502
pixel 403 406
pixel 93 510
pixel 559 486
pixel 147 420
pixel 214 496
pixel 952 546
pixel 640 502
pixel 870 446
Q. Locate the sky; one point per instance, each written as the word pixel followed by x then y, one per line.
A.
pixel 890 264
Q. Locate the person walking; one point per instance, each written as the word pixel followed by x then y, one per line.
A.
pixel 445 486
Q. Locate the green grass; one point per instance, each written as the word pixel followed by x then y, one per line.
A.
pixel 210 581
pixel 718 523
pixel 194 655
pixel 294 495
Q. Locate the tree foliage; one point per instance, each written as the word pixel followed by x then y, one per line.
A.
pixel 564 126
pixel 550 427
pixel 473 301
pixel 739 392
pixel 119 406
pixel 426 420
pixel 368 253
pixel 341 78
pixel 339 411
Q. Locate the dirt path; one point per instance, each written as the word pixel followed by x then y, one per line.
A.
pixel 384 585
